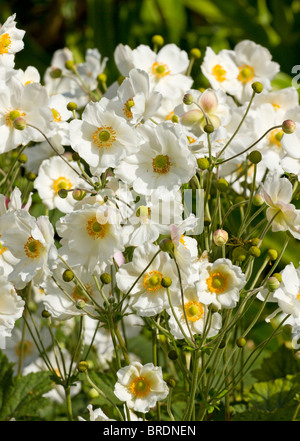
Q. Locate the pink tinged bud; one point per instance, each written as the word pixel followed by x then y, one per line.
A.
pixel 288 126
pixel 191 117
pixel 220 237
pixel 208 101
pixel 119 258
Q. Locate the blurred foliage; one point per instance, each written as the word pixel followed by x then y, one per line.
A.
pixel 79 24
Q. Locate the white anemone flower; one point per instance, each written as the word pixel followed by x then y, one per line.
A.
pixel 31 241
pixel 29 75
pixel 162 164
pixel 96 415
pixel 28 102
pixel 90 234
pixel 195 314
pixel 101 137
pixel 11 42
pixel 288 294
pixel 140 386
pixel 55 174
pixel 220 283
pixel 11 308
pixel 278 193
pixel 148 297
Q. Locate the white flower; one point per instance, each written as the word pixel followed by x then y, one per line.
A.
pixel 278 193
pixel 141 386
pixel 166 68
pixel 148 297
pixel 11 308
pixel 29 102
pixel 96 415
pixel 54 174
pixel 162 164
pixel 288 294
pixel 196 314
pixel 11 42
pixel 220 283
pixel 29 75
pixel 38 152
pixel 31 241
pixel 90 234
pixel 101 138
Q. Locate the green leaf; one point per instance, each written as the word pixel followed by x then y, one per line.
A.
pixel 281 363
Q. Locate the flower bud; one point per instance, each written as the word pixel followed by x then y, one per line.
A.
pixel 166 245
pixel 46 314
pixel 240 342
pixel 30 176
pixel 188 99
pixel 273 284
pixel 75 156
pixel 63 193
pixel 78 195
pixel 273 254
pixel 69 64
pixel 80 304
pixel 255 157
pixel 171 382
pixel 158 40
pixel 71 106
pixel 278 276
pixel 105 278
pixel 166 282
pixel 22 158
pixel 82 366
pixel 220 237
pixel 288 126
pixel 258 200
pixel 254 251
pixel 257 87
pixel 102 78
pixel 19 123
pixel 68 275
pixel 55 72
pixel 208 128
pixel 203 163
pixel 239 254
pixel 222 185
pixel 195 53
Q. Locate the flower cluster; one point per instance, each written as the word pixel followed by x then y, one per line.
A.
pixel 118 168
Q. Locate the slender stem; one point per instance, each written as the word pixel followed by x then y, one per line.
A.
pixel 69 403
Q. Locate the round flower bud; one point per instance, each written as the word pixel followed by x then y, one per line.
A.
pixel 220 237
pixel 69 64
pixel 254 251
pixel 166 282
pixel 240 342
pixel 63 193
pixel 82 366
pixel 158 40
pixel 278 276
pixel 255 157
pixel 273 254
pixel 80 304
pixel 239 254
pixel 172 355
pixel 93 393
pixel 105 278
pixel 195 53
pixel 203 163
pixel 239 199
pixel 75 156
pixel 288 126
pixel 71 106
pixel 55 72
pixel 171 382
pixel 273 283
pixel 19 123
pixel 78 195
pixel 258 200
pixel 222 185
pixel 68 275
pixel 46 314
pixel 30 176
pixel 208 128
pixel 188 99
pixel 102 78
pixel 23 158
pixel 166 245
pixel 257 87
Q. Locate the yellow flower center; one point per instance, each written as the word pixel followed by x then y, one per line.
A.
pixel 219 73
pixel 140 387
pixel 246 73
pixel 275 137
pixel 161 164
pixel 5 42
pixel 12 115
pixel 194 310
pixel 152 280
pixel 56 115
pixel 160 70
pixel 61 183
pixel 33 248
pixel 127 108
pixel 2 248
pixel 104 137
pixel 217 282
pixel 95 229
pixel 276 106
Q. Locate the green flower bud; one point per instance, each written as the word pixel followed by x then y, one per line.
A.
pixel 171 382
pixel 273 284
pixel 82 366
pixel 55 73
pixel 30 176
pixel 174 119
pixel 239 199
pixel 78 195
pixel 166 282
pixel 254 251
pixel 278 276
pixel 102 78
pixel 240 342
pixel 69 64
pixel 63 193
pixel 188 99
pixel 257 87
pixel 255 157
pixel 288 126
pixel 80 304
pixel 172 355
pixel 203 163
pixel 239 254
pixel 19 123
pixel 258 200
pixel 166 245
pixel 105 278
pixel 208 128
pixel 195 53
pixel 22 158
pixel 68 275
pixel 273 254
pixel 71 106
pixel 75 156
pixel 222 185
pixel 93 393
pixel 46 314
pixel 158 40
